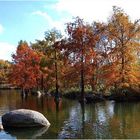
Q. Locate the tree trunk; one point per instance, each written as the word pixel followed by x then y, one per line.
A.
pixel 122 71
pixel 123 57
pixel 82 78
pixel 42 82
pixel 123 61
pixel 56 79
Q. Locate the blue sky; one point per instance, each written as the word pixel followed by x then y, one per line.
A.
pixel 29 19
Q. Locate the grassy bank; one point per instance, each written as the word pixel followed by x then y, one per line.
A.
pixel 118 96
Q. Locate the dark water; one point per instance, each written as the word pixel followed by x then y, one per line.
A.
pixel 108 119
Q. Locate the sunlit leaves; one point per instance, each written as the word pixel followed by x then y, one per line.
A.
pixel 123 33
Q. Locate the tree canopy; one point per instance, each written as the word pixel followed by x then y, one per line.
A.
pixel 100 56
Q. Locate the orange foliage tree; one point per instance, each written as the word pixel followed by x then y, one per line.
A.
pixel 25 71
pixel 122 69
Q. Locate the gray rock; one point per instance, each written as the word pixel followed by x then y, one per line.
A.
pixel 24 118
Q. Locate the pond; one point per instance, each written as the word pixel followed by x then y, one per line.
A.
pixel 104 120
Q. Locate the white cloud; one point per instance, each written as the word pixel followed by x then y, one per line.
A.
pixel 6 50
pixel 98 10
pixel 89 10
pixel 43 14
pixel 1 28
pixel 58 24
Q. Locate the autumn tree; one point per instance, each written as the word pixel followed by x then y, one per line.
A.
pixel 4 71
pixel 25 71
pixel 41 47
pixel 53 37
pixel 122 67
pixel 97 56
pixel 80 48
pixel 50 47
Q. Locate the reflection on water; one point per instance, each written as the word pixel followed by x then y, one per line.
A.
pixel 70 119
pixel 24 133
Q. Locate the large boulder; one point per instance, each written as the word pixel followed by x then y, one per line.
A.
pixel 24 118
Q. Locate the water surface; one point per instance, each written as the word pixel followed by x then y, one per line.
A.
pixel 107 120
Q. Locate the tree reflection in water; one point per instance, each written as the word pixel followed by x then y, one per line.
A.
pixel 70 119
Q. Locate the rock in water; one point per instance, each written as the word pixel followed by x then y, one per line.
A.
pixel 24 118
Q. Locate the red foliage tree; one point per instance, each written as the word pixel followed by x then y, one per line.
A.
pixel 25 71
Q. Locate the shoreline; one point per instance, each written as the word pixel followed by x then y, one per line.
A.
pixel 91 97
